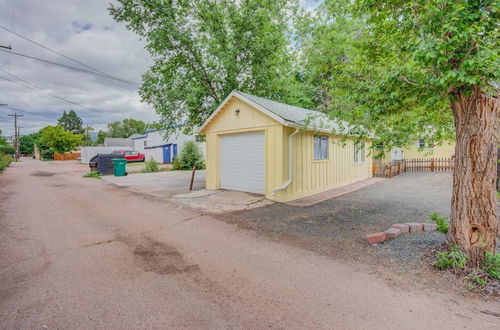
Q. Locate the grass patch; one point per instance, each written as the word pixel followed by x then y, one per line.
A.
pixel 92 174
pixel 134 164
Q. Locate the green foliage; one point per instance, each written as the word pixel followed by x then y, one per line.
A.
pixel 27 143
pixel 125 128
pixel 189 156
pixel 451 259
pixel 491 265
pixel 204 49
pixel 150 166
pixel 477 280
pixel 5 161
pixel 7 149
pixel 101 135
pixel 56 139
pixel 3 141
pixel 176 164
pixel 442 223
pixel 71 122
pixel 92 174
pixel 393 67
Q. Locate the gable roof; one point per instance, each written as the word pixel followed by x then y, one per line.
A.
pixel 285 114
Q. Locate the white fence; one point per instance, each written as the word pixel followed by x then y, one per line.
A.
pixel 88 152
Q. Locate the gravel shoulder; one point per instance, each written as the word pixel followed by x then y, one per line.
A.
pixel 337 227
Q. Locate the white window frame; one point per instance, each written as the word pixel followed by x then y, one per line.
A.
pixel 359 152
pixel 321 142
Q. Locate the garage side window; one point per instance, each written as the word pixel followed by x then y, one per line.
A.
pixel 359 152
pixel 320 147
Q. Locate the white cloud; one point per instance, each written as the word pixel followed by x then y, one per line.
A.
pixel 83 30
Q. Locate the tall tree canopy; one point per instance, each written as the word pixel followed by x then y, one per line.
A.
pixel 126 127
pixel 57 139
pixel 203 49
pixel 415 68
pixel 71 122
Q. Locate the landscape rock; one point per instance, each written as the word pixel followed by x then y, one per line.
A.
pixel 415 227
pixel 376 238
pixel 429 226
pixel 393 232
pixel 403 227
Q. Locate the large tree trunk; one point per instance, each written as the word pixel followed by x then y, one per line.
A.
pixel 474 223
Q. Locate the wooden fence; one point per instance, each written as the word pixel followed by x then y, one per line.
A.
pixel 67 156
pixel 388 170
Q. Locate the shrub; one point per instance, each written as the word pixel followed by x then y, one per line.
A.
pixel 176 165
pixel 150 166
pixel 189 156
pixel 7 149
pixel 92 174
pixel 5 161
pixel 442 223
pixel 491 265
pixel 451 259
pixel 477 280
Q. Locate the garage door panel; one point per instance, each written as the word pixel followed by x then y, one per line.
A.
pixel 242 162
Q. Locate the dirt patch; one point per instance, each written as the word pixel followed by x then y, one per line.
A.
pixel 43 174
pixel 157 257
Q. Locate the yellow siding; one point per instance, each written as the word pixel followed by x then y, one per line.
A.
pixel 445 150
pixel 309 176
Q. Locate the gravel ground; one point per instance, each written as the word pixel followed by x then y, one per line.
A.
pixel 408 248
pixel 338 226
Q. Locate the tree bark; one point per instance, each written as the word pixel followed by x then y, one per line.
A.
pixel 474 223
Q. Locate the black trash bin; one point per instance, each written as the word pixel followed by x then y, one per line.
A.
pixel 102 163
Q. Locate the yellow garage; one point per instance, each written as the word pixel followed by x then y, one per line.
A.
pixel 284 152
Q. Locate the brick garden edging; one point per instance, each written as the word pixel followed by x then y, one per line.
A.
pixel 399 229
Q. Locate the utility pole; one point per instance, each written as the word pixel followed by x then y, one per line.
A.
pixel 19 140
pixel 16 137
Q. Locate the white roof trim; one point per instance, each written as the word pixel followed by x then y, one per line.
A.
pixel 250 102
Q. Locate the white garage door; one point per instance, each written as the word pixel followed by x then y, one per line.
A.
pixel 242 162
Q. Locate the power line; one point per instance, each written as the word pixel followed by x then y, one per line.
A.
pixel 65 56
pixel 27 112
pixel 60 98
pixel 36 88
pixel 69 67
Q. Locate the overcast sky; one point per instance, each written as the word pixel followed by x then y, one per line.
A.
pixel 82 30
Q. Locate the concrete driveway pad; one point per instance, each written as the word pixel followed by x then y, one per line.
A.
pixel 163 184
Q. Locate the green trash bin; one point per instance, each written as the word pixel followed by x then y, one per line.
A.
pixel 119 166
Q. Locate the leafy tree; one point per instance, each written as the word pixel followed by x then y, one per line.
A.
pixel 56 139
pixel 189 156
pixel 27 143
pixel 422 68
pixel 71 122
pixel 101 135
pixel 87 140
pixel 3 141
pixel 126 127
pixel 204 49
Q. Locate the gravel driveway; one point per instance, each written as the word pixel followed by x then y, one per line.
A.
pixel 338 226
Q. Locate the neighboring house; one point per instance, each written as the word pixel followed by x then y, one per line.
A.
pixel 262 146
pixel 154 145
pixel 420 149
pixel 126 143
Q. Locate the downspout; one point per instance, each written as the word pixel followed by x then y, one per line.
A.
pixel 283 187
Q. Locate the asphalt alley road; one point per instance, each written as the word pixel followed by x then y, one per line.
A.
pixel 79 253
